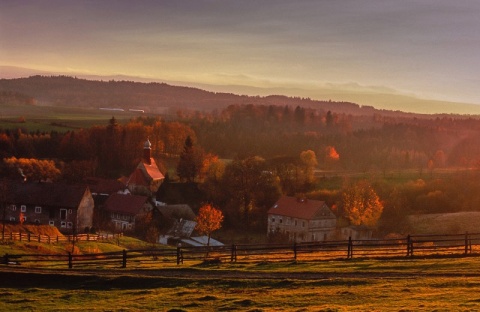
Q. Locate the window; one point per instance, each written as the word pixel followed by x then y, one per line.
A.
pixel 280 220
pixel 38 209
pixel 273 220
pixel 63 214
pixel 51 222
pixel 70 211
pixel 12 218
pixel 63 224
pixel 69 225
pixel 288 221
pixel 37 221
pixel 23 208
pixel 295 222
pixel 24 219
pixel 303 223
pixel 13 207
pixel 51 213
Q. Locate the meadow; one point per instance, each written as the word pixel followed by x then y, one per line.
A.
pixel 358 285
pixel 54 118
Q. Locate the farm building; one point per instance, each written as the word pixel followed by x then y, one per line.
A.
pixel 303 220
pixel 68 207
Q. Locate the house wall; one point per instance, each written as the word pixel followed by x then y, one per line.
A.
pixel 122 222
pixel 85 212
pixel 62 218
pixel 301 230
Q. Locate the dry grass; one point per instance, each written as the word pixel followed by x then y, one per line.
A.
pixel 445 223
pixel 33 229
pixel 417 285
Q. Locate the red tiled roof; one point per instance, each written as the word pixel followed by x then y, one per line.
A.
pixel 152 170
pixel 137 178
pixel 296 208
pixel 125 204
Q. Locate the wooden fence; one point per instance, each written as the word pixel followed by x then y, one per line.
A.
pixel 48 239
pixel 412 246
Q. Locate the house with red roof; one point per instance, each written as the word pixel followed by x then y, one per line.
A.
pixel 147 177
pixel 123 209
pixel 303 220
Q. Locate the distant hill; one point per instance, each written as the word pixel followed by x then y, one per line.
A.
pixel 153 97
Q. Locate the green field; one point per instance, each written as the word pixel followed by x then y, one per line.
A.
pixel 61 119
pixel 401 285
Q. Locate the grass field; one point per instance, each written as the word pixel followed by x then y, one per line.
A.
pixel 61 119
pixel 406 285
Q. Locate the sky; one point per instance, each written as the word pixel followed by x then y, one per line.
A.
pixel 425 48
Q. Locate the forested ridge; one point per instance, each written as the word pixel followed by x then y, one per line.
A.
pixel 153 97
pixel 286 149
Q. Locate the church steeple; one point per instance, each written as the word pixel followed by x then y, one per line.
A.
pixel 147 148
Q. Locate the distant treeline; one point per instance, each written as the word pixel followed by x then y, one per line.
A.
pixel 152 97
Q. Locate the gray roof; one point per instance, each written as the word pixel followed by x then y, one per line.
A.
pixel 48 194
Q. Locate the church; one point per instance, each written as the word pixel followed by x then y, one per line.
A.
pixel 147 177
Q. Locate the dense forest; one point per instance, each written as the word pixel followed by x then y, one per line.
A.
pixel 242 157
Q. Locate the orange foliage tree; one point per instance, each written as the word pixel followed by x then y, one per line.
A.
pixel 34 169
pixel 361 204
pixel 209 219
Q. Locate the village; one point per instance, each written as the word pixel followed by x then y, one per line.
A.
pixel 122 205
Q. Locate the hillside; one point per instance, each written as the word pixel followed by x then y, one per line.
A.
pixel 153 97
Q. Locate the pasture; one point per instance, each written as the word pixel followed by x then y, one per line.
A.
pixel 357 285
pixel 61 119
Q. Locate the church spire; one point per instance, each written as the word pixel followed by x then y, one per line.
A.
pixel 147 148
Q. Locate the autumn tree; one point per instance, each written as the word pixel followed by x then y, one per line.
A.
pixel 33 169
pixel 361 204
pixel 308 161
pixel 212 185
pixel 250 189
pixel 209 219
pixel 191 161
pixel 331 157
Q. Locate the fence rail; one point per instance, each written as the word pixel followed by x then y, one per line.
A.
pixel 50 239
pixel 467 244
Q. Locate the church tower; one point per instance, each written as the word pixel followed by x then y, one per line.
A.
pixel 147 149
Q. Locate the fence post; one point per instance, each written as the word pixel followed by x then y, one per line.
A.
pixel 179 251
pixel 466 242
pixel 295 250
pixel 70 260
pixel 350 248
pixel 20 234
pixel 5 258
pixel 11 235
pixel 124 260
pixel 408 245
pixel 234 253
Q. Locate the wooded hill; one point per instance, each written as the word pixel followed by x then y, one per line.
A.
pixel 155 97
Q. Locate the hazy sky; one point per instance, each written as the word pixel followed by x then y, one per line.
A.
pixel 430 48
